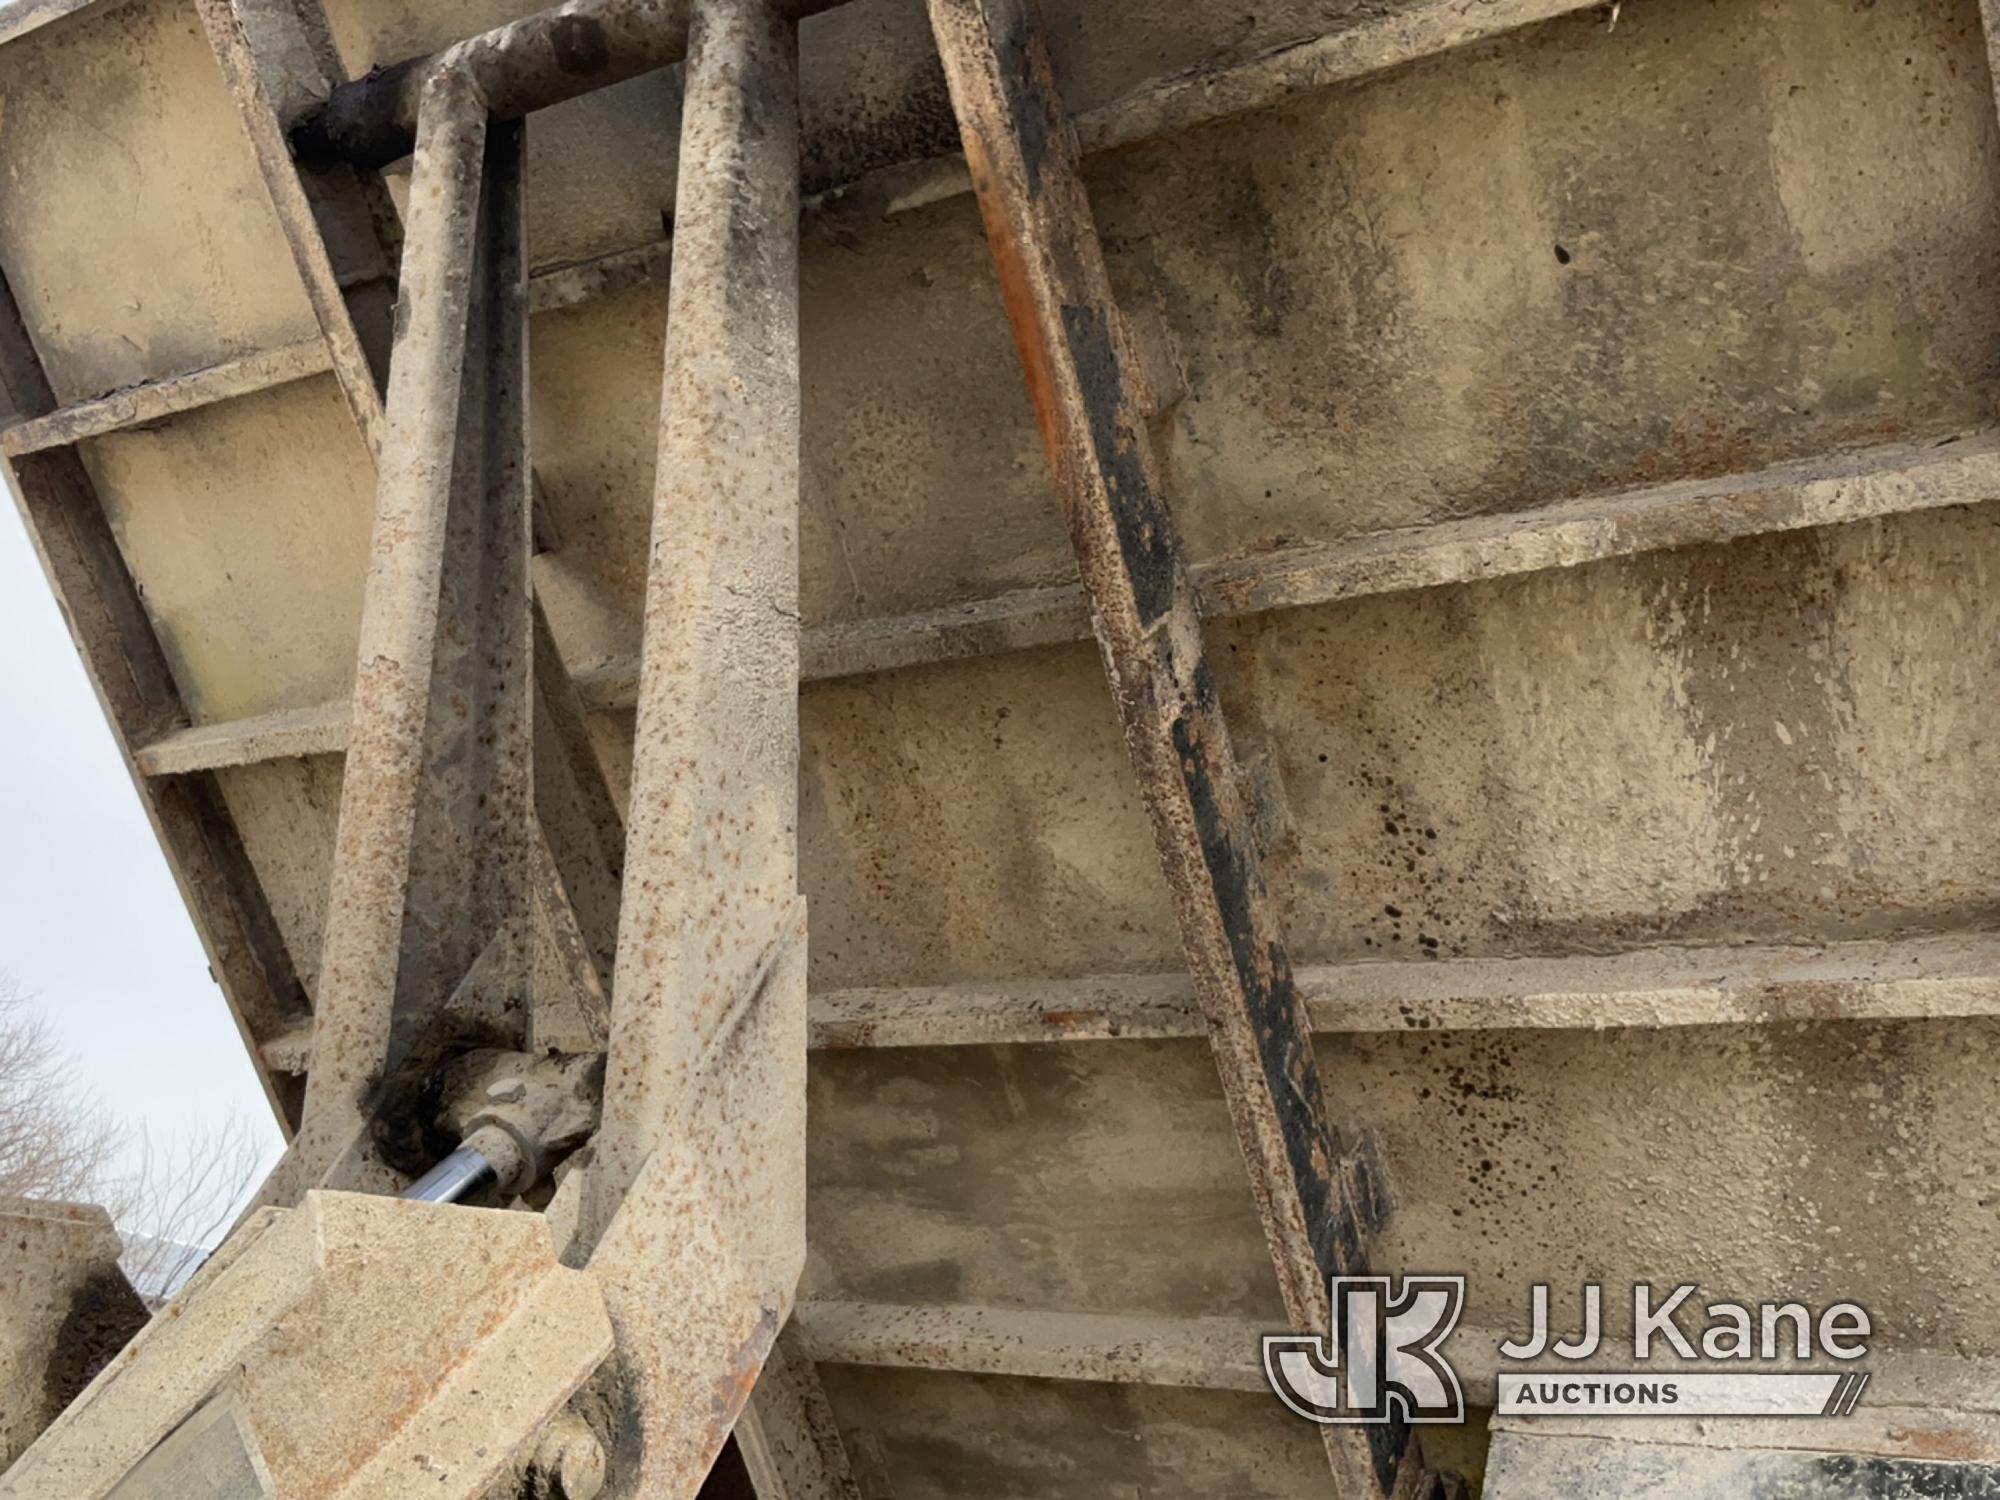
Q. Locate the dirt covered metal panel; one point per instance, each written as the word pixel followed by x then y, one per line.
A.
pixel 246 526
pixel 1778 737
pixel 1823 1161
pixel 1376 319
pixel 932 1436
pixel 1100 1178
pixel 137 237
pixel 1711 237
pixel 288 810
pixel 1572 259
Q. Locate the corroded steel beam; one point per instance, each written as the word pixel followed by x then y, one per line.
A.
pixel 789 1439
pixel 583 833
pixel 107 619
pixel 164 398
pixel 1916 978
pixel 283 734
pixel 435 840
pixel 1215 1354
pixel 526 65
pixel 573 49
pixel 227 23
pixel 577 864
pixel 1157 108
pixel 476 828
pixel 1830 491
pixel 693 1213
pixel 26 16
pixel 1950 974
pixel 1221 1354
pixel 1166 106
pixel 1021 147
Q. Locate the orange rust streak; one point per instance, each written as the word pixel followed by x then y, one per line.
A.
pixel 1964 1447
pixel 1018 295
pixel 732 1389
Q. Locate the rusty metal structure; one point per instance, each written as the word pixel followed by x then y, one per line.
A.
pixel 1000 683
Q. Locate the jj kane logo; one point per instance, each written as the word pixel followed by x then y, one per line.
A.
pixel 1384 1357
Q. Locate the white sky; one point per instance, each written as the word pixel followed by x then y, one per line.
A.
pixel 90 919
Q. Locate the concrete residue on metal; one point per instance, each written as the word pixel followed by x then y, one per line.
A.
pixel 1021 148
pixel 432 855
pixel 69 1310
pixel 367 1348
pixel 1582 449
pixel 693 1209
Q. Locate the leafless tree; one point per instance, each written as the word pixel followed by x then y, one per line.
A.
pixel 171 1201
pixel 56 1139
pixel 178 1201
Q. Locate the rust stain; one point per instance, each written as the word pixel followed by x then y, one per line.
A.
pixel 731 1392
pixel 1017 292
pixel 1947 1443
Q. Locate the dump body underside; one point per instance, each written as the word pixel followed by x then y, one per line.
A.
pixel 1581 438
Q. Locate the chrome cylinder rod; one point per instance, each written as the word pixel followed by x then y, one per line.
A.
pixel 460 1175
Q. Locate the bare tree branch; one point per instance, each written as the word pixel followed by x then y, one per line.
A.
pixel 58 1141
pixel 176 1204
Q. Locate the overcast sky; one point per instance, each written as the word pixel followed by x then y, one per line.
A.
pixel 90 920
